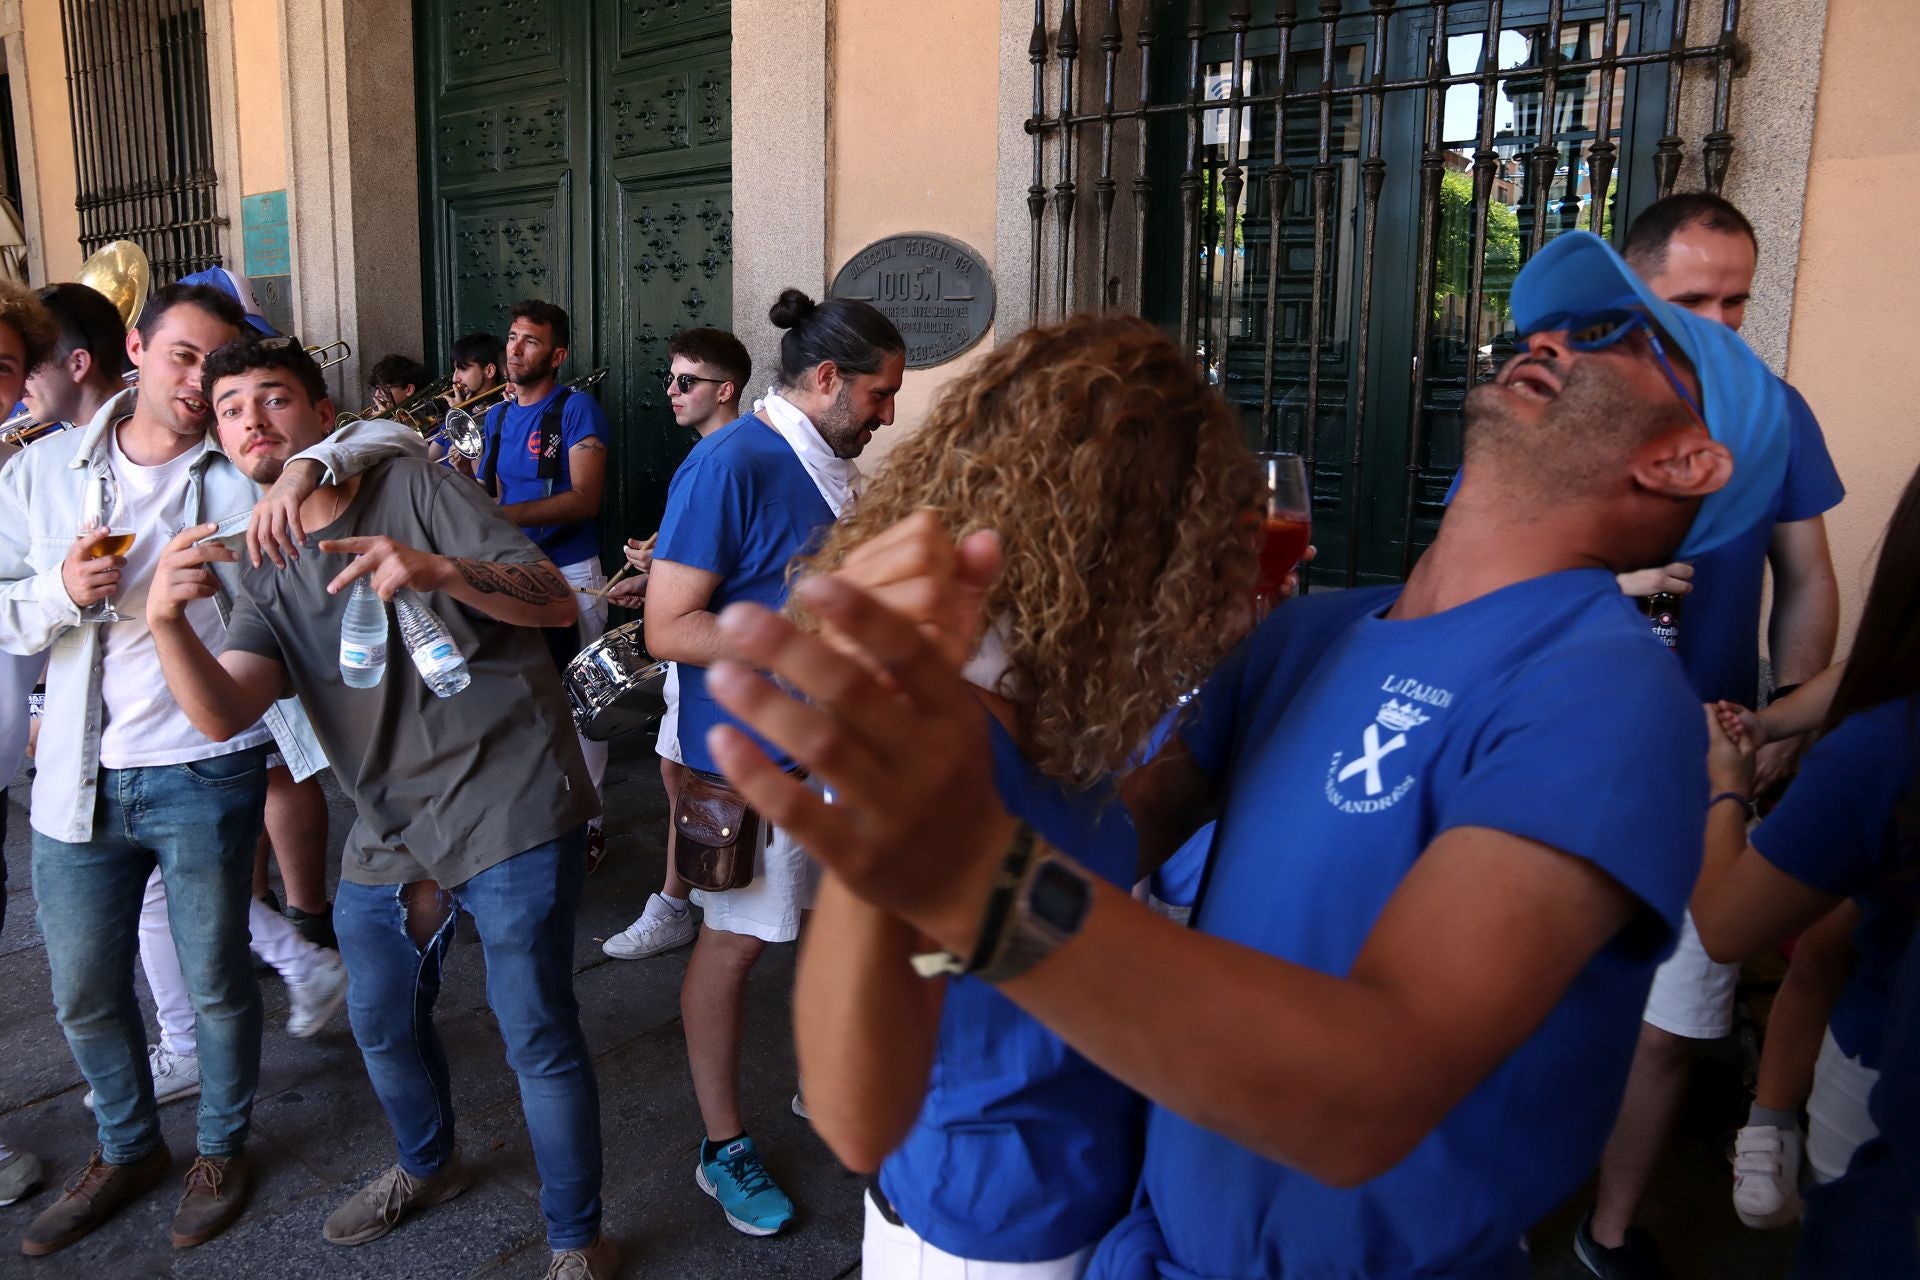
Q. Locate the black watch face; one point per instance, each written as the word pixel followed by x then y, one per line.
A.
pixel 1058 898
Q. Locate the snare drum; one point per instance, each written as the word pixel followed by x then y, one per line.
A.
pixel 614 686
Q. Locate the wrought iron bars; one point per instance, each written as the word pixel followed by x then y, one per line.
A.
pixel 143 135
pixel 1227 36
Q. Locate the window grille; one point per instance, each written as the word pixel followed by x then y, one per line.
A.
pixel 1308 192
pixel 142 130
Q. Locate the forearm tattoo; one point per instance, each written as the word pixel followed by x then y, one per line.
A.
pixel 529 583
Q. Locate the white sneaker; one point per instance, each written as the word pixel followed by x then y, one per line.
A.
pixel 659 928
pixel 1766 1175
pixel 317 998
pixel 175 1075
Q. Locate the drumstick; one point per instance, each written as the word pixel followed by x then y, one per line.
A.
pixel 611 583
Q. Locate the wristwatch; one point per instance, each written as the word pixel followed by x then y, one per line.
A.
pixel 1048 909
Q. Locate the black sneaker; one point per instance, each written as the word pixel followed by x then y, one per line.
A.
pixel 1635 1259
pixel 315 927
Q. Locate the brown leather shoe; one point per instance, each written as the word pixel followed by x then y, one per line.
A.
pixel 217 1190
pixel 95 1194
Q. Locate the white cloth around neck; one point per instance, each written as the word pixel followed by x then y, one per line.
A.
pixel 837 478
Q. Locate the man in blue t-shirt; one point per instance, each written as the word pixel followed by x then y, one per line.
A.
pixel 546 463
pixel 1698 252
pixel 748 499
pixel 1444 869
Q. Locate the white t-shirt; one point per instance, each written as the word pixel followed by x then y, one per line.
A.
pixel 144 725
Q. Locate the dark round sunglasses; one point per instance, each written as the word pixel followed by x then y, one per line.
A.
pixel 687 381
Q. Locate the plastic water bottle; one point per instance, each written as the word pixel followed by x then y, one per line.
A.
pixel 363 638
pixel 441 663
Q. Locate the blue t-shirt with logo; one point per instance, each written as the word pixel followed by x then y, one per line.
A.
pixel 741 506
pixel 1346 743
pixel 1023 1151
pixel 1719 644
pixel 1720 618
pixel 517 469
pixel 1836 831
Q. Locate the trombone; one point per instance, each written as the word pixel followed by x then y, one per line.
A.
pixel 462 428
pixel 415 411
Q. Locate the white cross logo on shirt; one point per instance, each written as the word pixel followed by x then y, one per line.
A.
pixel 1369 763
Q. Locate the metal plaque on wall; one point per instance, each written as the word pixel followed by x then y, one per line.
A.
pixel 937 292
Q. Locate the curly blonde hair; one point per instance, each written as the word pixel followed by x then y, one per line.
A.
pixel 1121 489
pixel 23 312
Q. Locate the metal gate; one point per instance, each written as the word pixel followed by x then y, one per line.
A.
pixel 580 152
pixel 142 130
pixel 1328 202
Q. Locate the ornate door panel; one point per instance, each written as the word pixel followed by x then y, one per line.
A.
pixel 505 131
pixel 665 89
pixel 580 152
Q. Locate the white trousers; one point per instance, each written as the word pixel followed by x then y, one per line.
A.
pixel 888 1252
pixel 275 940
pixel 593 625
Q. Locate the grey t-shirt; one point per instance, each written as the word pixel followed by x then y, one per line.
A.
pixel 444 787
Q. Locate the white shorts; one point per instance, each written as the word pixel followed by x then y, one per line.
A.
pixel 1837 1121
pixel 888 1252
pixel 668 743
pixel 785 880
pixel 1692 994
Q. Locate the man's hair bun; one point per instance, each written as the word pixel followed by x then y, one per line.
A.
pixel 793 307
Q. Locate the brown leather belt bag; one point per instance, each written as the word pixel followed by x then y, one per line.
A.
pixel 716 836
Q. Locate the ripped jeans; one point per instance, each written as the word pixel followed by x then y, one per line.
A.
pixel 524 909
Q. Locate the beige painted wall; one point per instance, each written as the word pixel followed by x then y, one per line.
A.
pixel 52 136
pixel 913 145
pixel 1857 305
pixel 262 115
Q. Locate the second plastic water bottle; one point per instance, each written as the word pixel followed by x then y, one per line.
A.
pixel 363 638
pixel 441 663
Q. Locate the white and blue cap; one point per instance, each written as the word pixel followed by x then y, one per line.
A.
pixel 1577 273
pixel 237 287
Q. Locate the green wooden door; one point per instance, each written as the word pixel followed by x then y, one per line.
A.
pixel 580 152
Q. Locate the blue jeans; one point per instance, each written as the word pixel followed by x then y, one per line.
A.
pixel 198 823
pixel 524 908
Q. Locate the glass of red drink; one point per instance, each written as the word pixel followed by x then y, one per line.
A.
pixel 1288 527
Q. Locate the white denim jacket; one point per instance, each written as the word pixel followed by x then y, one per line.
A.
pixel 41 491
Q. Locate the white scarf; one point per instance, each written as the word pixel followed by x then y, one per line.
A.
pixel 837 478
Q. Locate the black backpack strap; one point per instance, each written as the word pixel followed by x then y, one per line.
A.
pixel 547 444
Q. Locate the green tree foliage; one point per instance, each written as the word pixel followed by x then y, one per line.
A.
pixel 1454 270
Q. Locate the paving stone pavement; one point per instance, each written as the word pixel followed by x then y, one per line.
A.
pixel 318 1133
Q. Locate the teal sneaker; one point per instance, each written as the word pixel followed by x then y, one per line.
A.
pixel 734 1176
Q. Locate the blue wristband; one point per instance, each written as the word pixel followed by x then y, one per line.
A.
pixel 1745 802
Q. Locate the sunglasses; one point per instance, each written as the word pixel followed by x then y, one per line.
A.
pixel 686 382
pixel 1597 330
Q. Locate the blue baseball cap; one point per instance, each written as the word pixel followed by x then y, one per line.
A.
pixel 1746 405
pixel 237 287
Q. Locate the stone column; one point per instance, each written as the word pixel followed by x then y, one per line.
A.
pixel 353 196
pixel 780 104
pixel 13 44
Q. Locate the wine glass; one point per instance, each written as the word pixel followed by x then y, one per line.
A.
pixel 102 508
pixel 1288 524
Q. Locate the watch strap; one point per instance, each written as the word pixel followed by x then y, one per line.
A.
pixel 1014 865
